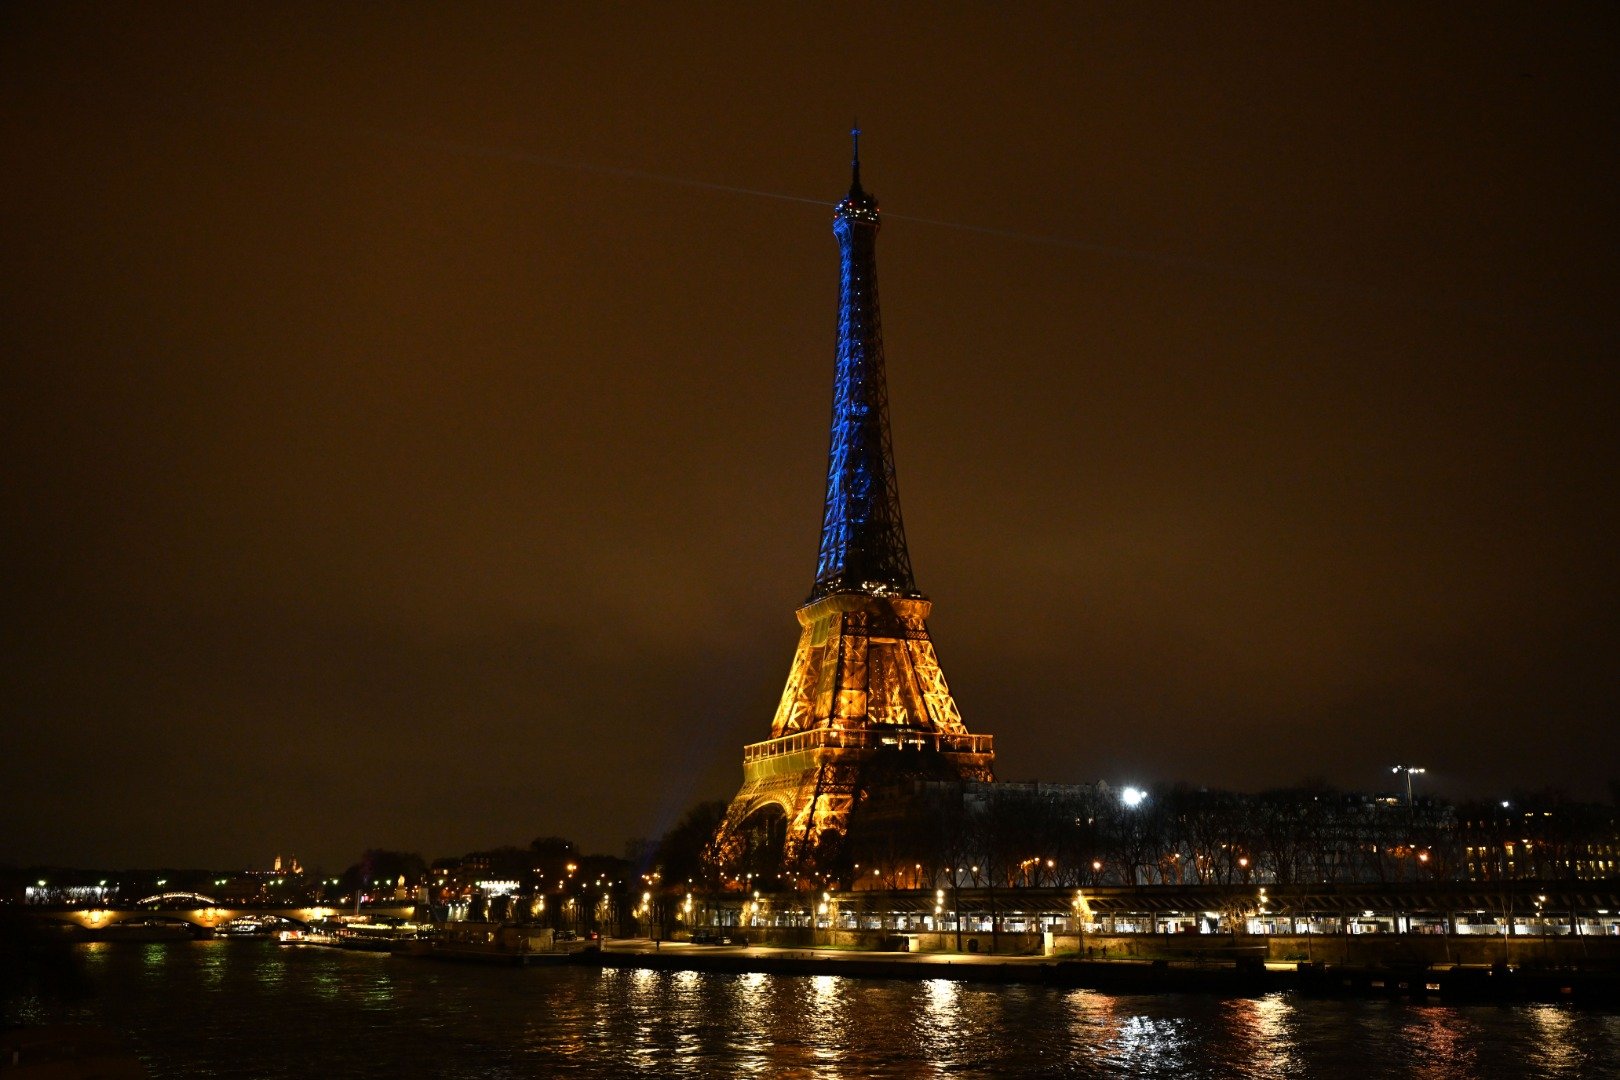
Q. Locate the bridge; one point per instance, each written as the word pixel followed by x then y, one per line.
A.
pixel 201 911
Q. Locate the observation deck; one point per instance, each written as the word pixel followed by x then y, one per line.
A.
pixel 803 750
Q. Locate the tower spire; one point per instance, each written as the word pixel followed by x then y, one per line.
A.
pixel 855 158
pixel 863 540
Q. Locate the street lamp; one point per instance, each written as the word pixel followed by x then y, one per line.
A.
pixel 1408 770
pixel 1132 797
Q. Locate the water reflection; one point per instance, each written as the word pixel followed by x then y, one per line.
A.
pixel 325 984
pixel 376 992
pixel 1093 1021
pixel 1439 1042
pixel 823 1021
pixel 941 1027
pixel 153 955
pixel 236 1009
pixel 750 1005
pixel 1261 1039
pixel 212 966
pixel 1558 1047
pixel 1149 1045
pixel 644 1015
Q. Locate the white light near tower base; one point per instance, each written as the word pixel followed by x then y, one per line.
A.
pixel 1132 796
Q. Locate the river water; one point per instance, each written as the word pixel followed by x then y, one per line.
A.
pixel 254 1009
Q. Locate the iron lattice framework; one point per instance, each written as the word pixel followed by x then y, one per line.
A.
pixel 865 703
pixel 863 540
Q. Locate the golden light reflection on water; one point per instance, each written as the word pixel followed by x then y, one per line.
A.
pixel 944 997
pixel 1093 1020
pixel 367 1015
pixel 753 1038
pixel 1440 1043
pixel 645 1013
pixel 941 1026
pixel 642 981
pixel 1260 1035
pixel 559 1023
pixel 597 1024
pixel 810 1035
pixel 824 1019
pixel 1555 1050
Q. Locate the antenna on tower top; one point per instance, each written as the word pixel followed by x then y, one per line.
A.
pixel 855 154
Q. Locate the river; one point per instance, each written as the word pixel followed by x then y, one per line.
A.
pixel 254 1009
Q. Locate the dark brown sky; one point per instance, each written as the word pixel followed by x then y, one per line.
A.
pixel 405 447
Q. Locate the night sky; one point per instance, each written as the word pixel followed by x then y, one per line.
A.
pixel 415 422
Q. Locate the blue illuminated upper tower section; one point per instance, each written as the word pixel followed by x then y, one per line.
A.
pixel 863 541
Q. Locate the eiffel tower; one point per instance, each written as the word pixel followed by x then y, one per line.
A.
pixel 865 702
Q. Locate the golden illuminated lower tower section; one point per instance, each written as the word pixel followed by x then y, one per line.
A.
pixel 866 704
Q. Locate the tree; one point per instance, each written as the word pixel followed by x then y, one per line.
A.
pixel 679 855
pixel 379 868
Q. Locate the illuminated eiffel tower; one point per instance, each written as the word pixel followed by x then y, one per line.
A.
pixel 865 702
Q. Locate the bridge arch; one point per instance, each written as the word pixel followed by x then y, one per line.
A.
pixel 193 897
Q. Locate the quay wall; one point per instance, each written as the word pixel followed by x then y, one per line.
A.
pixel 802 937
pixel 1347 949
pixel 1355 949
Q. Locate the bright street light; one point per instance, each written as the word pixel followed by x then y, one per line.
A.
pixel 1409 770
pixel 1132 796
